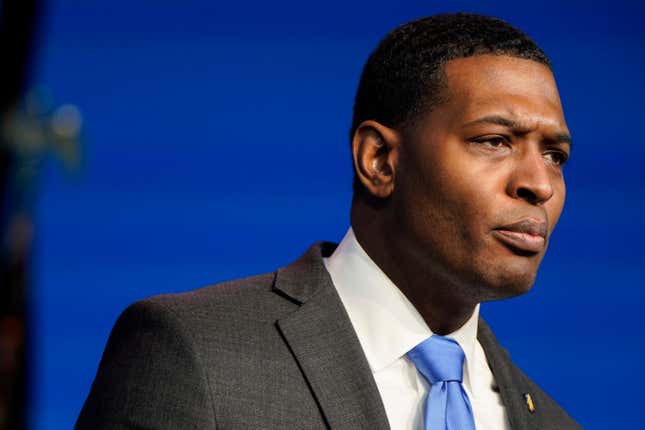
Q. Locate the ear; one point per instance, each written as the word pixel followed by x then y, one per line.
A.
pixel 375 149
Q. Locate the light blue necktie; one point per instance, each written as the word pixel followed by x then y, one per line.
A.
pixel 440 360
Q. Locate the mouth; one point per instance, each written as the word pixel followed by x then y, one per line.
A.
pixel 526 237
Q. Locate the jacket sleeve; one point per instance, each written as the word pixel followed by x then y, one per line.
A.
pixel 150 376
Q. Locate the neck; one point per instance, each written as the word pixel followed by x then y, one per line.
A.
pixel 443 303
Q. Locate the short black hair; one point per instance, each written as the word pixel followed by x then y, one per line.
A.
pixel 403 77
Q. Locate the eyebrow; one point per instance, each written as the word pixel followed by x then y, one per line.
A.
pixel 564 138
pixel 560 137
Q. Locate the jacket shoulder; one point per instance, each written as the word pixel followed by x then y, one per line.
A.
pixel 252 297
pixel 204 345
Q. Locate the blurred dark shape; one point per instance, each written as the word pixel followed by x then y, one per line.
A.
pixel 29 132
pixel 17 24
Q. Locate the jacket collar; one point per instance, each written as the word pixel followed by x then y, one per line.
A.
pixel 323 342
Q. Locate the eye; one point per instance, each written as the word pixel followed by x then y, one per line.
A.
pixel 492 142
pixel 556 157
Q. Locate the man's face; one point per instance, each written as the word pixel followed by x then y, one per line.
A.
pixel 479 186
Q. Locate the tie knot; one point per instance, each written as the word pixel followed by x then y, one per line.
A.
pixel 438 358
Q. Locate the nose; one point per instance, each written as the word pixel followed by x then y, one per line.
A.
pixel 531 179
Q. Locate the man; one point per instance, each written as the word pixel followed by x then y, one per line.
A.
pixel 458 143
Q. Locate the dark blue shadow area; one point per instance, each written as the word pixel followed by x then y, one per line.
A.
pixel 216 147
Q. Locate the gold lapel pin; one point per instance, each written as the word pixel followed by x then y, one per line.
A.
pixel 529 402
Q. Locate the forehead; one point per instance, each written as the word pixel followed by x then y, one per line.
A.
pixel 486 84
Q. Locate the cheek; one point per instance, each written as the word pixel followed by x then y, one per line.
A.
pixel 469 193
pixel 458 210
pixel 448 197
pixel 476 192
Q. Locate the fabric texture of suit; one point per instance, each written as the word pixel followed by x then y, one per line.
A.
pixel 273 351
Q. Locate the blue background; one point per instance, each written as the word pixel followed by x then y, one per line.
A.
pixel 216 147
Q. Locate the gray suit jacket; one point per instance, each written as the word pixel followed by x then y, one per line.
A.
pixel 273 351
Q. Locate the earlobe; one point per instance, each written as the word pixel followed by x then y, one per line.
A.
pixel 375 150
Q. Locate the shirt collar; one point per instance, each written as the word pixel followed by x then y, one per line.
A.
pixel 386 323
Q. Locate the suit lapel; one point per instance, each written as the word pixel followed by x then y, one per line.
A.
pixel 324 344
pixel 512 386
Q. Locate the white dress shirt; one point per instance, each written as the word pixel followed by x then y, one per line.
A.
pixel 388 326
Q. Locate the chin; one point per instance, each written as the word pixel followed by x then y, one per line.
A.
pixel 506 282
